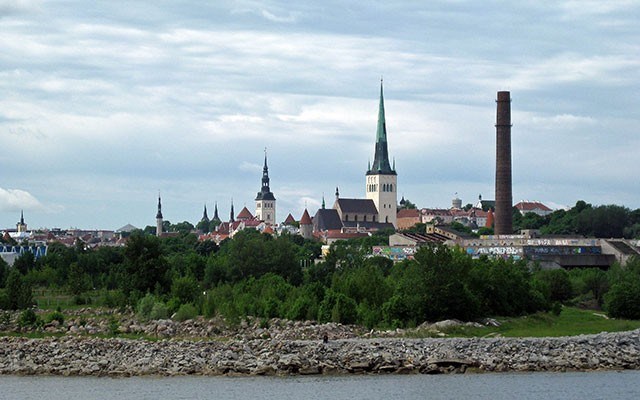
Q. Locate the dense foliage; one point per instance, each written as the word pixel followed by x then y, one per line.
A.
pixel 604 221
pixel 264 276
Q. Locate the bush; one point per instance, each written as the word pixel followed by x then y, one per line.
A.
pixel 114 299
pixel 159 311
pixel 557 284
pixel 337 307
pixel 623 300
pixel 145 306
pixel 114 326
pixel 55 316
pixel 185 312
pixel 28 318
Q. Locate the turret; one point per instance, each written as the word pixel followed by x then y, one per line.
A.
pixel 159 218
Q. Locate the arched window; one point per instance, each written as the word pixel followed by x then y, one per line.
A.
pixel 346 217
pixel 355 217
pixel 386 219
pixel 391 187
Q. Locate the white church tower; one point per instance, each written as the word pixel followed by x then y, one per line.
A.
pixel 265 200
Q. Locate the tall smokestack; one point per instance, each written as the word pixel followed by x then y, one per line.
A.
pixel 504 199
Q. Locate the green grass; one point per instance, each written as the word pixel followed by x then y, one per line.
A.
pixel 571 322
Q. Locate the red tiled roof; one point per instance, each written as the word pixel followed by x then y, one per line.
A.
pixel 290 220
pixel 408 213
pixel 531 205
pixel 244 214
pixel 306 219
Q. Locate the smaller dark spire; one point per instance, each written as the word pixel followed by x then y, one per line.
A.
pixel 323 201
pixel 337 193
pixel 215 213
pixel 232 217
pixel 159 214
pixel 21 217
pixel 205 217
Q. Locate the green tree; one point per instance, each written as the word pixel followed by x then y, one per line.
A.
pixel 25 262
pixel 78 280
pixel 623 300
pixel 186 290
pixel 431 287
pixel 145 267
pixel 4 272
pixel 18 291
pixel 556 284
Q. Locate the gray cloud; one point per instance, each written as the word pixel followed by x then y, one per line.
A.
pixel 102 107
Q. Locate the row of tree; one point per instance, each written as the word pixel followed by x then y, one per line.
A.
pixel 265 276
pixel 604 221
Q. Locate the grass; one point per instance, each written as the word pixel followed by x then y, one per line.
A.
pixel 571 322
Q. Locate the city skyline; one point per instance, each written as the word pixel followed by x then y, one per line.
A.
pixel 102 107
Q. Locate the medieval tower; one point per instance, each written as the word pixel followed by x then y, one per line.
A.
pixel 159 218
pixel 265 200
pixel 381 179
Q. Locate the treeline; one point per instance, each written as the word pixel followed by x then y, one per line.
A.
pixel 605 221
pixel 264 276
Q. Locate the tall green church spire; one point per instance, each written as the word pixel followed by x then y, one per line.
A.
pixel 381 158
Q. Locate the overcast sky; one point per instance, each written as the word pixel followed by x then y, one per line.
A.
pixel 103 104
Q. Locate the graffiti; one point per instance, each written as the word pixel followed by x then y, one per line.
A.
pixel 562 251
pixel 499 251
pixel 395 253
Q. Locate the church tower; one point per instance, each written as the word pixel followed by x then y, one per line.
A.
pixel 382 180
pixel 21 226
pixel 159 218
pixel 265 200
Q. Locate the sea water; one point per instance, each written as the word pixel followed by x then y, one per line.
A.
pixel 523 386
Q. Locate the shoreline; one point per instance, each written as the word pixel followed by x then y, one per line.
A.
pixel 72 355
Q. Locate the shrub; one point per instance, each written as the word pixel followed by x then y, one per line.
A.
pixel 557 284
pixel 28 318
pixel 185 312
pixel 114 326
pixel 114 299
pixel 55 316
pixel 159 311
pixel 145 306
pixel 623 300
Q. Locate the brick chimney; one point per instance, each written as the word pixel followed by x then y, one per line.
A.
pixel 504 199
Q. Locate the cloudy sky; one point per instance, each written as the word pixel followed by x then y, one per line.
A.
pixel 103 104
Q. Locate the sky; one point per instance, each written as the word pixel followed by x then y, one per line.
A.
pixel 105 104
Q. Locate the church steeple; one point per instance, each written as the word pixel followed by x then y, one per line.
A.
pixel 159 218
pixel 232 217
pixel 381 164
pixel 215 213
pixel 265 200
pixel 381 183
pixel 205 217
pixel 159 214
pixel 265 174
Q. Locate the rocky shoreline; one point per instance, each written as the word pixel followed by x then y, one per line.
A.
pixel 87 356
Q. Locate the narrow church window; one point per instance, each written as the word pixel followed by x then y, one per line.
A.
pixel 355 218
